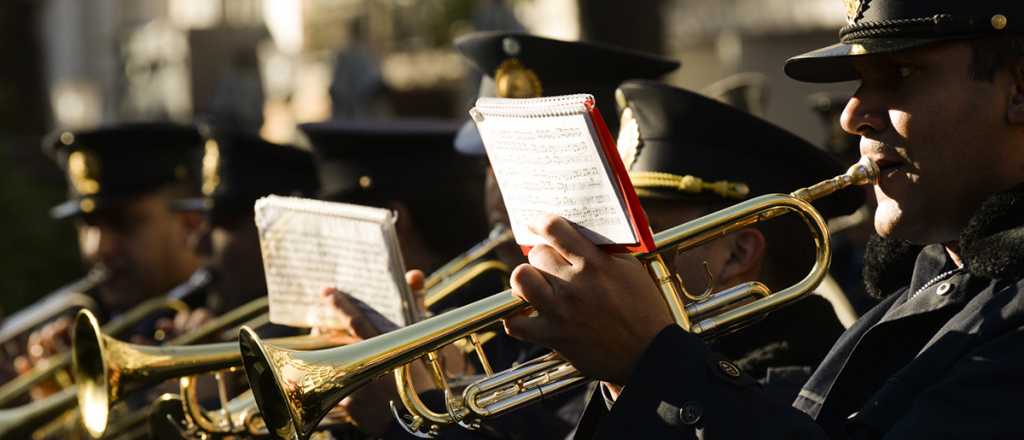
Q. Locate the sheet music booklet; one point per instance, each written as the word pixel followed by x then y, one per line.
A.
pixel 309 245
pixel 555 155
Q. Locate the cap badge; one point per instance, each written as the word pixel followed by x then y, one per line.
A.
pixel 513 80
pixel 84 172
pixel 629 142
pixel 211 166
pixel 855 10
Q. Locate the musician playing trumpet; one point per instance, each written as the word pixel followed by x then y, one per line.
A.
pixel 940 109
pixel 122 180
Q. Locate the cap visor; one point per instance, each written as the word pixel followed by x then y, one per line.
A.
pixel 835 63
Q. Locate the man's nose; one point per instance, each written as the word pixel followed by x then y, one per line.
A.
pixel 862 117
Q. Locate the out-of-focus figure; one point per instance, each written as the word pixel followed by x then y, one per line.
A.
pixel 682 172
pixel 357 84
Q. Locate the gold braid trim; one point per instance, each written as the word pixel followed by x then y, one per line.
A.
pixel 688 184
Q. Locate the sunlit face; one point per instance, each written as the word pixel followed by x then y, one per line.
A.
pixel 144 245
pixel 938 135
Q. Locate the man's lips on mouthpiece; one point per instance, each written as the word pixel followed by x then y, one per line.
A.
pixel 887 164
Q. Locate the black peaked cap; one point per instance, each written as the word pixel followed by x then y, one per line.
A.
pixel 120 161
pixel 561 67
pixel 684 133
pixel 362 161
pixel 886 26
pixel 239 167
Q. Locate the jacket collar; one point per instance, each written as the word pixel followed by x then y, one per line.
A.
pixel 991 246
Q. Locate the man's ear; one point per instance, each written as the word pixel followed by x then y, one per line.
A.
pixel 1015 110
pixel 195 226
pixel 746 255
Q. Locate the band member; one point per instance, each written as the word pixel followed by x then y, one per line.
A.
pixel 939 108
pixel 517 65
pixel 237 168
pixel 681 171
pixel 407 166
pixel 122 180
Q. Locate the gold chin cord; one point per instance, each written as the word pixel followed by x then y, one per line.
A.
pixel 295 389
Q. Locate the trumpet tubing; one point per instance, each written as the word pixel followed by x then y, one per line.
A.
pixel 22 421
pixel 295 389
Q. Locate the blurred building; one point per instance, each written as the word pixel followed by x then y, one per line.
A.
pixel 718 38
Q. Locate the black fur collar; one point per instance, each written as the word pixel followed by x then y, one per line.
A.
pixel 992 246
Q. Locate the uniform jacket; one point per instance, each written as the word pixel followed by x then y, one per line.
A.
pixel 942 357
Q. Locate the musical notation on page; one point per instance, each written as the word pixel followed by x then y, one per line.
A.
pixel 548 157
pixel 309 245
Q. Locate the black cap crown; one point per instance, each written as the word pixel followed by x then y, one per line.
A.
pixel 679 144
pixel 239 167
pixel 883 26
pixel 360 159
pixel 121 161
pixel 410 161
pixel 518 65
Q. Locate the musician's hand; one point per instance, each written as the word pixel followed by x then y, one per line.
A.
pixel 599 311
pixel 53 338
pixel 366 406
pixel 182 323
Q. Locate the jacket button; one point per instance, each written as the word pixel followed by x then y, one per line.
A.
pixel 730 369
pixel 943 288
pixel 690 413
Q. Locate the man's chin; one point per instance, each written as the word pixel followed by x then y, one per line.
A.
pixel 888 217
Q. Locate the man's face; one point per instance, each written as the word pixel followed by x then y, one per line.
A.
pixel 938 135
pixel 144 246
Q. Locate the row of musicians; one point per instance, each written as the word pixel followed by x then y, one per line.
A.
pixel 155 202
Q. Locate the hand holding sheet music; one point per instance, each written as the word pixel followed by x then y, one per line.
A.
pixel 555 156
pixel 310 245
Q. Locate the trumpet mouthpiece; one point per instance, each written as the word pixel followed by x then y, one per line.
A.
pixel 864 172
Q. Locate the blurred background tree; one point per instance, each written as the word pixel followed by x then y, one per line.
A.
pixel 37 254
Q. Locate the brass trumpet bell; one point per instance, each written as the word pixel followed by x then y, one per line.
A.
pixel 105 368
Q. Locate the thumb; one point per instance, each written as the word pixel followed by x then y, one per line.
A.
pixel 416 279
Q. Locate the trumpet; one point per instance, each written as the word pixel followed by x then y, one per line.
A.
pixel 105 369
pixel 22 422
pixel 27 418
pixel 63 300
pixel 173 301
pixel 294 389
pixel 240 416
pixel 58 363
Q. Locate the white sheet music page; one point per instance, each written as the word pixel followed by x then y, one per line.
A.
pixel 547 159
pixel 309 245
